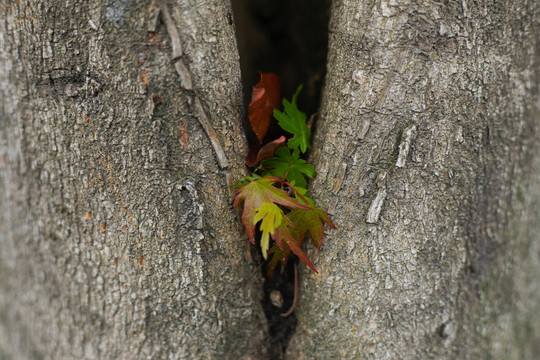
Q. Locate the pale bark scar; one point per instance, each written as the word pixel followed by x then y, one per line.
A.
pixel 405 146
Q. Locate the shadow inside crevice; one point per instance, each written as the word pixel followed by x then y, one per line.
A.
pixel 289 38
pixel 278 299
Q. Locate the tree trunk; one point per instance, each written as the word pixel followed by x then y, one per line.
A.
pixel 117 233
pixel 120 137
pixel 427 157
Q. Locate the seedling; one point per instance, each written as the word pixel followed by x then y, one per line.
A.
pixel 275 197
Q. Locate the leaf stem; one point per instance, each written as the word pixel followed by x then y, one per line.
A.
pixel 296 191
pixel 295 293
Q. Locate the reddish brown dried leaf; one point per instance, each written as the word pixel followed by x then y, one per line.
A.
pixel 265 152
pixel 265 98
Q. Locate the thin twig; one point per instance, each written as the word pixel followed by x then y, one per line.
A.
pixel 177 51
pixel 205 123
pixel 176 43
pixel 187 83
pixel 295 293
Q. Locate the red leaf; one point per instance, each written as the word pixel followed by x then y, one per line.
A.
pixel 264 99
pixel 255 193
pixel 305 220
pixel 265 152
pixel 282 234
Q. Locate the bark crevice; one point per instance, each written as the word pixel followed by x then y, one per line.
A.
pixel 290 39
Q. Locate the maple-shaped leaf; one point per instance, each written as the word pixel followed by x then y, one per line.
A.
pixel 293 121
pixel 302 221
pixel 264 99
pixel 283 235
pixel 271 216
pixel 259 191
pixel 309 220
pixel 289 166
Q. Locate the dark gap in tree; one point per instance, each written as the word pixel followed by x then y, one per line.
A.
pixel 288 38
pixel 277 299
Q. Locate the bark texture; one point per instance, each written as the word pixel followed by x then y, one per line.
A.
pixel 117 236
pixel 427 157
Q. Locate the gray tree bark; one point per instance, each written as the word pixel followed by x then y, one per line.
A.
pixel 117 234
pixel 120 136
pixel 427 157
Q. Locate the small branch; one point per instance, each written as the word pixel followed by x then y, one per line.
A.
pixel 377 204
pixel 339 178
pixel 185 75
pixel 205 123
pixel 176 43
pixel 187 83
pixel 295 293
pixel 177 51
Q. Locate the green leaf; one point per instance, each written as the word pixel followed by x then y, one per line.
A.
pixel 289 166
pixel 259 191
pixel 300 195
pixel 271 216
pixel 293 121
